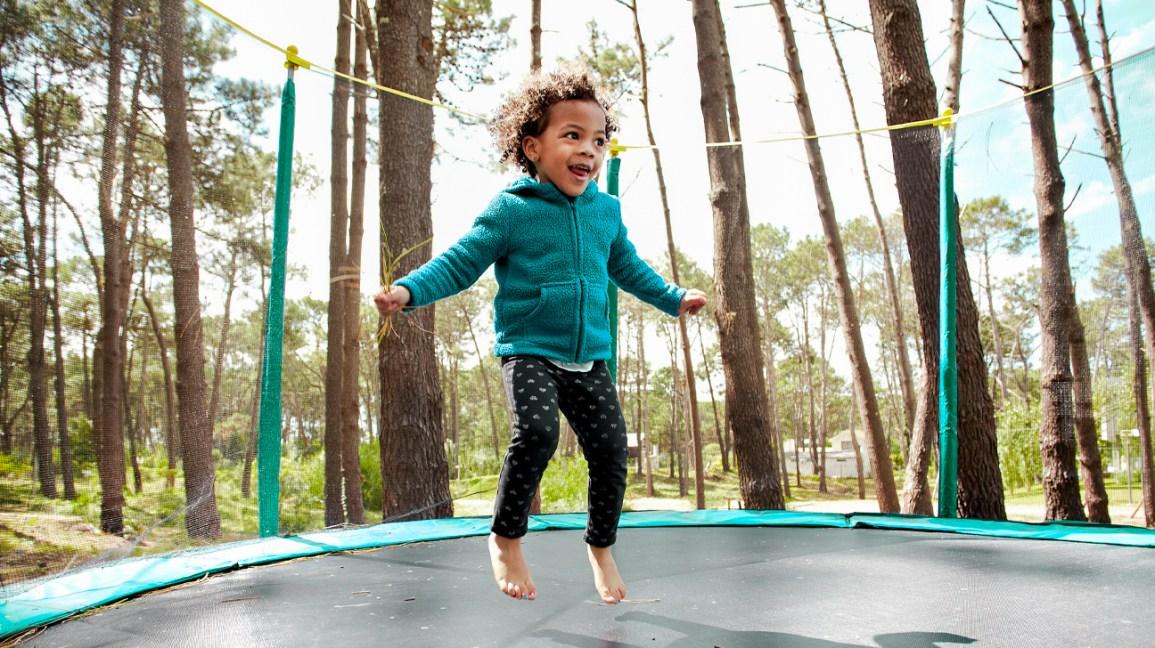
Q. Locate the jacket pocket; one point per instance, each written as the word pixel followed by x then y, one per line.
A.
pixel 553 321
pixel 597 319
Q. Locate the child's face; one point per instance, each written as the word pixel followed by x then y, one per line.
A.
pixel 569 152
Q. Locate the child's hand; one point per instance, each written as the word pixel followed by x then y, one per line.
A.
pixel 395 299
pixel 692 302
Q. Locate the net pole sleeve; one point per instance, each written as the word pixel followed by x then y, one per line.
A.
pixel 269 430
pixel 948 330
pixel 612 290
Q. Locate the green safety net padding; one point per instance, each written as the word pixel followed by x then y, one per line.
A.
pixel 948 334
pixel 615 167
pixel 269 436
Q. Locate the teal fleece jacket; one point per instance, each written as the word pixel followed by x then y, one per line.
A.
pixel 554 257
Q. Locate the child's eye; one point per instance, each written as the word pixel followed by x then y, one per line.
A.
pixel 600 141
pixel 571 135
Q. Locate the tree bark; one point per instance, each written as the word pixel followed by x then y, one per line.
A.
pixel 35 255
pixel 996 338
pixel 771 395
pixel 950 97
pixel 535 36
pixel 1090 463
pixel 350 387
pixel 202 520
pixel 906 383
pixel 64 441
pixel 109 421
pixel 737 321
pixel 1056 433
pixel 415 474
pixel 1138 265
pixel 878 449
pixel 1142 413
pixel 672 253
pixel 171 434
pixel 223 342
pixel 719 428
pixel 338 237
pixel 909 95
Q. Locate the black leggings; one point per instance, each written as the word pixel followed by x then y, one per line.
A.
pixel 535 389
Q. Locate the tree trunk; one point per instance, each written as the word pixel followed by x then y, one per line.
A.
pixel 906 382
pixel 857 449
pixel 1056 433
pixel 808 371
pixel 823 389
pixel 1090 463
pixel 485 386
pixel 223 342
pixel 35 255
pixel 771 395
pixel 954 63
pixel 737 322
pixel 171 434
pixel 1106 118
pixel 996 338
pixel 672 253
pixel 350 387
pixel 134 427
pixel 415 475
pixel 643 397
pixel 338 236
pixel 909 95
pixel 202 518
pixel 879 449
pixel 63 439
pixel 535 36
pixel 109 423
pixel 719 428
pixel 1142 413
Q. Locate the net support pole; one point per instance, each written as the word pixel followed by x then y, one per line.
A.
pixel 269 429
pixel 612 175
pixel 948 329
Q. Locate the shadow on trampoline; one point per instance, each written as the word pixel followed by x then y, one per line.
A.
pixel 700 634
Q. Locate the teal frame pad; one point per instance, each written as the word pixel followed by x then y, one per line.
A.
pixel 74 592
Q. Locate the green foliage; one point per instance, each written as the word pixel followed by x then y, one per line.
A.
pixel 371 490
pixel 302 493
pixel 83 438
pixel 563 487
pixel 1019 457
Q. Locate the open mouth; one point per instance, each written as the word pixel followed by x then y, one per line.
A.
pixel 582 171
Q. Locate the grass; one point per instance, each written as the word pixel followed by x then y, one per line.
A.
pixel 41 536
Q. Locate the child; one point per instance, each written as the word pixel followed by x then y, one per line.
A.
pixel 555 242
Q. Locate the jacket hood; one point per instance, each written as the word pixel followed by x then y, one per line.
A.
pixel 527 186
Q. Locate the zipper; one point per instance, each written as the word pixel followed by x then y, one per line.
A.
pixel 581 281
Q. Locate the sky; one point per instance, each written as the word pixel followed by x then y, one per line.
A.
pixel 994 143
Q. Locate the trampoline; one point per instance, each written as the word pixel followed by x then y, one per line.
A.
pixel 707 578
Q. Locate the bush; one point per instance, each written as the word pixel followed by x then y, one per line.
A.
pixel 563 488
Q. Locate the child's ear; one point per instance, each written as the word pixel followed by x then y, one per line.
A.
pixel 531 147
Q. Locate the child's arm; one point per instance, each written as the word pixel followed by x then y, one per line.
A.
pixel 632 274
pixel 453 270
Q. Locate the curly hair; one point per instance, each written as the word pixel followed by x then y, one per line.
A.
pixel 525 112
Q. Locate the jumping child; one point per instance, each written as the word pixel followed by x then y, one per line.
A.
pixel 555 242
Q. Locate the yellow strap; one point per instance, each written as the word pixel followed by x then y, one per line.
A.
pixel 293 60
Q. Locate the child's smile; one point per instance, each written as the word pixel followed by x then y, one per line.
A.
pixel 569 152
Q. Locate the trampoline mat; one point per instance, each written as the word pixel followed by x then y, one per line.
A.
pixel 688 586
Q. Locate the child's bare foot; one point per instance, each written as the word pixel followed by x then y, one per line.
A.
pixel 609 582
pixel 509 568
